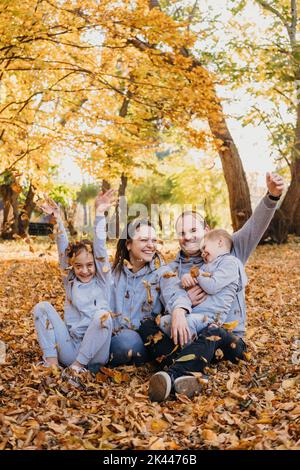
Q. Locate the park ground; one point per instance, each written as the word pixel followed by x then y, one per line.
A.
pixel 253 405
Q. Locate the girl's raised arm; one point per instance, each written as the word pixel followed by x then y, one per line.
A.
pixel 49 207
pixel 102 204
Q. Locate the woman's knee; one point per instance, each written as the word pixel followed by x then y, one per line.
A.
pixel 127 347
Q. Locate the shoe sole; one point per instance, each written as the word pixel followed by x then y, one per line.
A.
pixel 159 387
pixel 188 386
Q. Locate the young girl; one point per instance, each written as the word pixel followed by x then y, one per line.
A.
pixel 85 334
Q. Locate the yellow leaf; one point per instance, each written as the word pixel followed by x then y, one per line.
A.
pixel 169 274
pixel 188 357
pixel 247 356
pixel 213 338
pixel 231 325
pixel 194 271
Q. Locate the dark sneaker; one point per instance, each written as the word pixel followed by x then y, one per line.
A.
pixel 75 378
pixel 160 386
pixel 189 385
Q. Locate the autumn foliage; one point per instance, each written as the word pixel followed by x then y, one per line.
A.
pixel 254 405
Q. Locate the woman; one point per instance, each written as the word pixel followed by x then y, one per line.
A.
pixel 142 286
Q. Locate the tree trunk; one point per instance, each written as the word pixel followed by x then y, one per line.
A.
pixel 10 195
pixel 24 216
pixel 285 216
pixel 85 215
pixel 105 185
pixel 295 227
pixel 70 214
pixel 121 193
pixel 238 189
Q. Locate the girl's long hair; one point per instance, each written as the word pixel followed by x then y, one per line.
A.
pixel 122 252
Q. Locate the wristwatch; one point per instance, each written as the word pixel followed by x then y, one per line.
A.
pixel 273 198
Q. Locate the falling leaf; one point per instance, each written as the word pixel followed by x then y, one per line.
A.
pixel 188 357
pixel 219 354
pixel 206 274
pixel 169 274
pixel 105 268
pixel 102 259
pixel 157 263
pixel 231 325
pixel 213 338
pixel 103 319
pixel 148 289
pixel 194 271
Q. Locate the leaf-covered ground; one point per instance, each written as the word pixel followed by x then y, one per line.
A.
pixel 250 406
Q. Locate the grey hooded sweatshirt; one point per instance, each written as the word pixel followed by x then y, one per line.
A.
pixel 151 290
pixel 245 241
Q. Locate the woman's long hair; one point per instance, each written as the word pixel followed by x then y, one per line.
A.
pixel 122 252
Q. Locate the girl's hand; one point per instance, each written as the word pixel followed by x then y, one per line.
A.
pixel 188 281
pixel 104 200
pixel 49 207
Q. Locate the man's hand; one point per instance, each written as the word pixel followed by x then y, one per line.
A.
pixel 104 200
pixel 197 295
pixel 179 329
pixel 188 281
pixel 275 184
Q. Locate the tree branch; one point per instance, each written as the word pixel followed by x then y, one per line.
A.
pixel 279 15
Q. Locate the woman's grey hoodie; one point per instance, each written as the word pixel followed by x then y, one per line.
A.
pixel 152 290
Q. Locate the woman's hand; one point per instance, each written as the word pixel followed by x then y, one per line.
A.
pixel 49 207
pixel 197 295
pixel 179 328
pixel 188 281
pixel 104 200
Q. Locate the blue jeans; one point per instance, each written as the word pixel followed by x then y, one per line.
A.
pixel 127 347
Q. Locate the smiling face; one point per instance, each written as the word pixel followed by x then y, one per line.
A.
pixel 190 231
pixel 211 249
pixel 142 247
pixel 84 266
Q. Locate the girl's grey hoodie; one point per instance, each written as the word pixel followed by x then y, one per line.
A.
pixel 84 300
